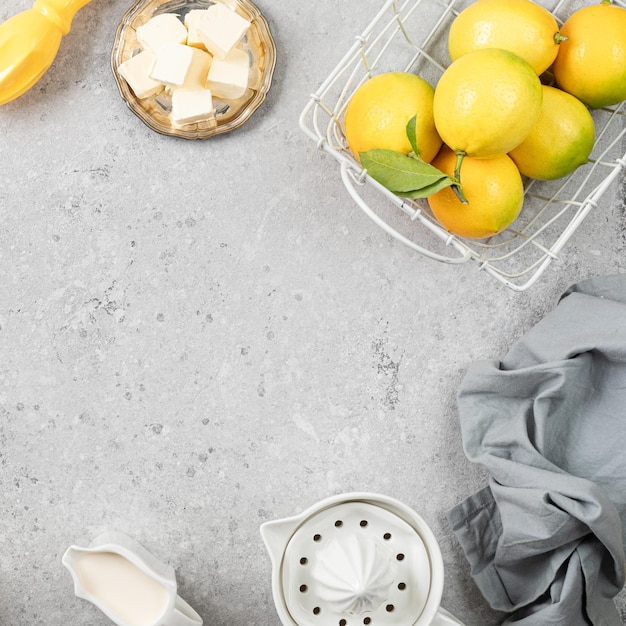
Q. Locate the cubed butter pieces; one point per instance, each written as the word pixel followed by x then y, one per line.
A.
pixel 136 72
pixel 193 60
pixel 178 65
pixel 221 29
pixel 161 29
pixel 190 106
pixel 228 77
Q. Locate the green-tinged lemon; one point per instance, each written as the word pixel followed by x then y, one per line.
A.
pixel 591 64
pixel 561 140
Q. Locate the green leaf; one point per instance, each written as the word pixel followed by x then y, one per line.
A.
pixel 410 133
pixel 429 190
pixel 402 174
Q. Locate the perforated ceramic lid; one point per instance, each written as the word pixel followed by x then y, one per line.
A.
pixel 355 563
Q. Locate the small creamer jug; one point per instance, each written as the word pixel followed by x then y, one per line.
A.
pixel 127 583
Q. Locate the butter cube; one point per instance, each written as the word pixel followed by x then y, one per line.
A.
pixel 191 21
pixel 228 78
pixel 136 72
pixel 161 29
pixel 221 29
pixel 191 105
pixel 198 69
pixel 178 65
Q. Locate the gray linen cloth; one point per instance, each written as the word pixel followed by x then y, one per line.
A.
pixel 545 538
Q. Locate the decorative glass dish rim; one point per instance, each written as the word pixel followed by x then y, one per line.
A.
pixel 261 44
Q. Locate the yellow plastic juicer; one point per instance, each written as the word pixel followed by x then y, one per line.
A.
pixel 29 42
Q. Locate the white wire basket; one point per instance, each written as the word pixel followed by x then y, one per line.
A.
pixel 411 35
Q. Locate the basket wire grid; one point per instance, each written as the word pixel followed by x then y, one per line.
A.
pixel 411 35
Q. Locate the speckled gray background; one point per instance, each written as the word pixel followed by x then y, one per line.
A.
pixel 197 337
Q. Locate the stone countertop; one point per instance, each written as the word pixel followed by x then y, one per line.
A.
pixel 200 336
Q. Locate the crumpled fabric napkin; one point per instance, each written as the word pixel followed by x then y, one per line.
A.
pixel 545 538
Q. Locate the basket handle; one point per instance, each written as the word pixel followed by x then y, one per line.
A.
pixel 350 176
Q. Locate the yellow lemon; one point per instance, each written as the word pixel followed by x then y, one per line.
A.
pixel 591 64
pixel 520 26
pixel 486 102
pixel 494 191
pixel 561 140
pixel 379 110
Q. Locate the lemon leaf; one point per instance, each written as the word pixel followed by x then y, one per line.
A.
pixel 402 174
pixel 429 190
pixel 411 134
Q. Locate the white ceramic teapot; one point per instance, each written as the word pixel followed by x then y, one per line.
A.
pixel 356 559
pixel 127 583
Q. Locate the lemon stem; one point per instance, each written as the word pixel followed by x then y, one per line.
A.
pixel 457 188
pixel 558 38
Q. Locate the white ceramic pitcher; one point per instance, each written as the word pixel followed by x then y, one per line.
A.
pixel 353 559
pixel 127 583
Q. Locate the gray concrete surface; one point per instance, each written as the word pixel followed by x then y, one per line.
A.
pixel 197 337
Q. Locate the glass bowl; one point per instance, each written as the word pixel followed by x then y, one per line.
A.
pixel 229 114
